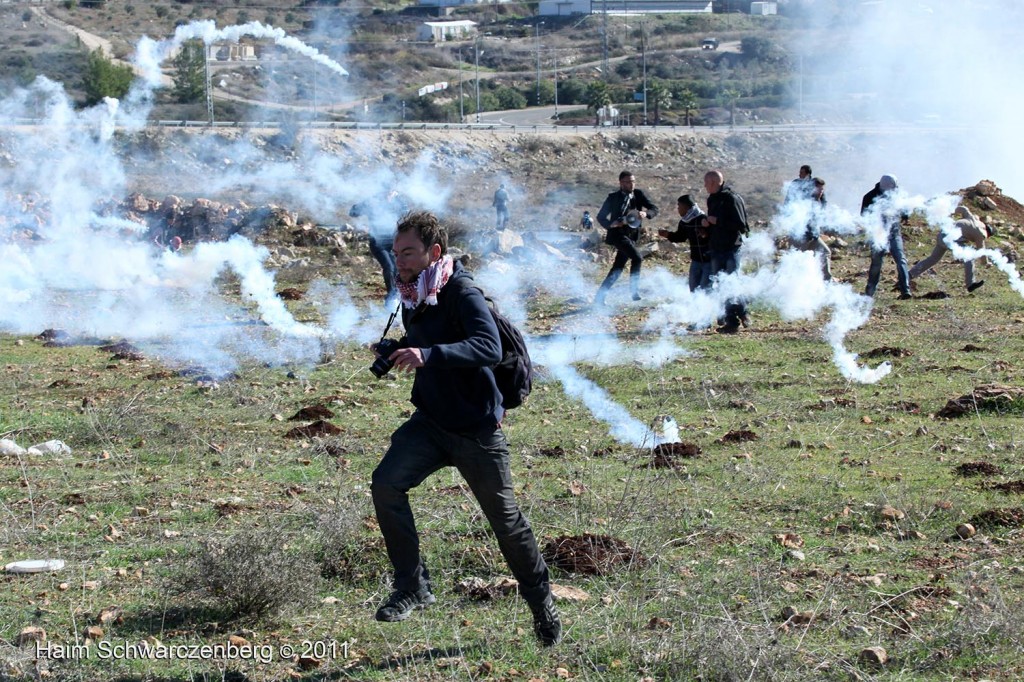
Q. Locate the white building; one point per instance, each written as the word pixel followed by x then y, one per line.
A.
pixel 764 8
pixel 441 31
pixel 646 6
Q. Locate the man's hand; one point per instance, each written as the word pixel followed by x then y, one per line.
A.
pixel 407 359
pixel 643 213
pixel 663 233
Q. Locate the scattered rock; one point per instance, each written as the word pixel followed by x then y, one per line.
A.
pixel 965 531
pixel 874 656
pixel 568 593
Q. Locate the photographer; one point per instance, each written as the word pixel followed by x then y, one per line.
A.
pixel 621 214
pixel 451 342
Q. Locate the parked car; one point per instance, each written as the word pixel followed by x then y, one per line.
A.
pixel 709 44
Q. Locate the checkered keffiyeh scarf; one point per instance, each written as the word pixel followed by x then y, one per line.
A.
pixel 426 286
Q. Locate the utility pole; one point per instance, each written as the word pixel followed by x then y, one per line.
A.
pixel 556 87
pixel 314 92
pixel 538 61
pixel 604 41
pixel 462 113
pixel 643 54
pixel 209 87
pixel 476 59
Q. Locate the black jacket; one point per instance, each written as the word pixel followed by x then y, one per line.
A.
pixel 731 212
pixel 691 231
pixel 456 386
pixel 617 205
pixel 891 219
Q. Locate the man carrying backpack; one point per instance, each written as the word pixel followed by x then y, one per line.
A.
pixel 727 224
pixel 452 342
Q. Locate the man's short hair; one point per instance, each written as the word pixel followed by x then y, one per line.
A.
pixel 820 182
pixel 427 227
pixel 625 174
pixel 685 200
pixel 807 169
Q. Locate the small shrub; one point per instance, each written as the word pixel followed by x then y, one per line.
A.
pixel 340 550
pixel 251 573
pixel 633 141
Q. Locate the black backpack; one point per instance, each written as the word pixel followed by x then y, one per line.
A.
pixel 514 372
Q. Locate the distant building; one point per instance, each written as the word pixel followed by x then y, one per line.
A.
pixel 232 52
pixel 764 8
pixel 567 7
pixel 441 31
pixel 455 3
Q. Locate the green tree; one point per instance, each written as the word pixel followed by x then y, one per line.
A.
pixel 688 102
pixel 104 78
pixel 190 72
pixel 510 98
pixel 598 97
pixel 661 98
pixel 730 97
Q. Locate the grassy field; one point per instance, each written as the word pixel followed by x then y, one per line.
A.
pixel 816 523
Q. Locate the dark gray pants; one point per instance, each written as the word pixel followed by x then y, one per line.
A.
pixel 419 448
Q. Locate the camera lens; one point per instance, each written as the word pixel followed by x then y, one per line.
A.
pixel 382 365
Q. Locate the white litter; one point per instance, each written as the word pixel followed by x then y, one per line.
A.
pixel 8 448
pixel 35 566
pixel 50 447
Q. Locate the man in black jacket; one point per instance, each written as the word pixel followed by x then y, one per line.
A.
pixel 878 201
pixel 451 342
pixel 622 214
pixel 727 222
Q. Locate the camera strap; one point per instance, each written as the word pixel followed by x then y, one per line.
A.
pixel 391 321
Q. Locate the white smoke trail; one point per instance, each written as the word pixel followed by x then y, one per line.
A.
pixel 150 54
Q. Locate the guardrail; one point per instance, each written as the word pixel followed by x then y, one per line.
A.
pixel 531 128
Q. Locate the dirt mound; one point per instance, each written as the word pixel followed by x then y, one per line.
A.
pixel 591 554
pixel 317 429
pixel 291 294
pixel 990 397
pixel 987 198
pixel 1011 517
pixel 739 436
pixel 1010 487
pixel 888 351
pixel 968 469
pixel 479 589
pixel 317 412
pixel 667 455
pixel 122 350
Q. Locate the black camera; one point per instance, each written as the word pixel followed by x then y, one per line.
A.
pixel 384 348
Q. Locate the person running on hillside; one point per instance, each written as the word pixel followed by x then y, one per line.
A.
pixel 622 214
pixel 878 201
pixel 972 231
pixel 726 222
pixel 811 239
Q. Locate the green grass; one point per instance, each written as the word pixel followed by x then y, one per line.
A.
pixel 707 598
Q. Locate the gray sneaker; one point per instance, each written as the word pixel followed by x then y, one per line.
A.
pixel 401 603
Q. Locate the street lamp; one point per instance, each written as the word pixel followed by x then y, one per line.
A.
pixel 538 62
pixel 462 113
pixel 556 87
pixel 476 60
